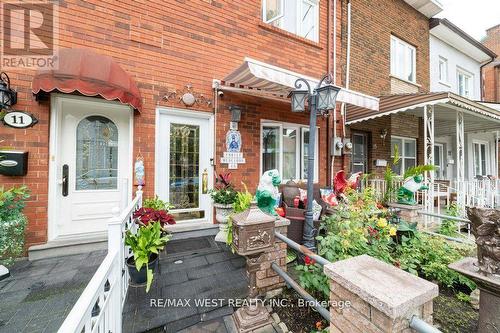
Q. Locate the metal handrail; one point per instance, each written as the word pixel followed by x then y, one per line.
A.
pixel 421 326
pixel 302 249
pixel 446 217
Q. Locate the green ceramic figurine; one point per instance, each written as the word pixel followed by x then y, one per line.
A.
pixel 406 193
pixel 267 194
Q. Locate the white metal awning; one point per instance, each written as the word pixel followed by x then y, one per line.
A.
pixel 258 78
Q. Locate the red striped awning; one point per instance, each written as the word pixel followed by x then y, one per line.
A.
pixel 91 74
pixel 255 75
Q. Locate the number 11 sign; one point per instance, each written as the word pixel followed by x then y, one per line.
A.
pixel 19 119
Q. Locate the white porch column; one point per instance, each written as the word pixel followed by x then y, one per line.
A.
pixel 460 161
pixel 429 154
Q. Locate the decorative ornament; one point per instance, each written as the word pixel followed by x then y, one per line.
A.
pixel 233 141
pixel 267 194
pixel 139 170
pixel 187 96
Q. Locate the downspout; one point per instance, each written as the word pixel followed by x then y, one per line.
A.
pixel 481 77
pixel 329 158
pixel 348 74
pixel 332 156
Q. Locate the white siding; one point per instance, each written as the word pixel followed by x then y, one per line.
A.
pixel 456 59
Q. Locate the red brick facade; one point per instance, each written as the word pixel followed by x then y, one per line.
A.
pixel 165 45
pixel 373 23
pixel 491 72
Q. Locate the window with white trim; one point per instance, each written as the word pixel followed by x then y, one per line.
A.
pixel 464 83
pixel 407 150
pixel 481 159
pixel 300 17
pixel 443 70
pixel 285 147
pixel 403 60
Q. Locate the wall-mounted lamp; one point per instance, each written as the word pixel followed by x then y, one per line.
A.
pixel 8 97
pixel 235 113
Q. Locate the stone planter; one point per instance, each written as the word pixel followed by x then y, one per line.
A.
pixel 222 213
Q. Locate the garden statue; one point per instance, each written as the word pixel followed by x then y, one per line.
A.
pixel 267 194
pixel 486 229
pixel 406 193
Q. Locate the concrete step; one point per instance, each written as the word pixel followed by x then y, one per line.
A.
pixel 68 246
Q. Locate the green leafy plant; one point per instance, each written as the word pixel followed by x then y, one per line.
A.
pixel 242 203
pixel 418 170
pixel 156 204
pixel 223 192
pixel 147 241
pixel 12 223
pixel 461 296
pixel 449 227
pixel 390 176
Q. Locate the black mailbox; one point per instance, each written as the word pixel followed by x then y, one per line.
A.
pixel 13 163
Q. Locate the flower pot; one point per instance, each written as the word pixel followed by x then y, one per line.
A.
pixel 222 213
pixel 139 278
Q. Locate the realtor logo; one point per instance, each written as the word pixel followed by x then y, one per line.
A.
pixel 29 34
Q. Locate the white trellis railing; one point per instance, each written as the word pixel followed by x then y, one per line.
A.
pixel 99 308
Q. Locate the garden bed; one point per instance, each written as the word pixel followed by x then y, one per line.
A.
pixel 450 314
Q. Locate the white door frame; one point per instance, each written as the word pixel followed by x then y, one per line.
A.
pixel 54 126
pixel 211 132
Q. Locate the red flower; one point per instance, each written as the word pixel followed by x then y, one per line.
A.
pixel 397 264
pixel 308 261
pixel 147 215
pixel 379 205
pixel 373 232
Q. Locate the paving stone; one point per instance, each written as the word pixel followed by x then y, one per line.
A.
pixel 176 326
pixel 170 266
pixel 239 262
pixel 230 325
pixel 220 256
pixel 171 278
pixel 208 270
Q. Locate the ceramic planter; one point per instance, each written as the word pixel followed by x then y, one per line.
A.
pixel 139 278
pixel 222 213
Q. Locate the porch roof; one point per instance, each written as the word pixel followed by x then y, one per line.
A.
pixel 413 103
pixel 261 79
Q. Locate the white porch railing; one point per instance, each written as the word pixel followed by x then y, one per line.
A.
pixel 99 308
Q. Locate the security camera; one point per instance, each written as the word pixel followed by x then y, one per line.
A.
pixel 220 93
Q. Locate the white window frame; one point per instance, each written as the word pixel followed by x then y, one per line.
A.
pixel 402 153
pixel 470 87
pixel 486 158
pixel 299 148
pixel 440 172
pixel 264 12
pixel 443 76
pixel 405 62
pixel 299 28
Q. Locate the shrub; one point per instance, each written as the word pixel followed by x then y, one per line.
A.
pixel 12 223
pixel 449 227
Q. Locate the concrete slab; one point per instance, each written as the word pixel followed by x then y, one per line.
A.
pixel 385 287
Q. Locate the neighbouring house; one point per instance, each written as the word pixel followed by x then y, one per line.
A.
pixel 429 84
pixel 492 70
pixel 161 81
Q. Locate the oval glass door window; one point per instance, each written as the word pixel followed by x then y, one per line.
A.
pixel 96 154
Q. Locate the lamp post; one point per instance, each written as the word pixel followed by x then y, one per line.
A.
pixel 8 97
pixel 321 99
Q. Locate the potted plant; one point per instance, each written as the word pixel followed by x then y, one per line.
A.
pixel 223 195
pixel 12 223
pixel 154 210
pixel 145 245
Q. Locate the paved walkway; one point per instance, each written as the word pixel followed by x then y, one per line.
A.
pixel 39 295
pixel 191 271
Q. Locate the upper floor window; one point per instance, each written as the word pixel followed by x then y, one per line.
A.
pixel 300 17
pixel 403 60
pixel 464 83
pixel 443 70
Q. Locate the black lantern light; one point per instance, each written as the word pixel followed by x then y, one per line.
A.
pixel 8 97
pixel 321 100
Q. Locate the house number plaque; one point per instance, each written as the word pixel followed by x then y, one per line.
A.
pixel 19 119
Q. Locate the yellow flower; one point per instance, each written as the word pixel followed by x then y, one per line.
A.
pixel 392 231
pixel 382 223
pixel 345 243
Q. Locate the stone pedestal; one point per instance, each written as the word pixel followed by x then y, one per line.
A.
pixel 368 295
pixel 489 286
pixel 407 213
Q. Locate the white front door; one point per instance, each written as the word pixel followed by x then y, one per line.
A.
pixel 183 168
pixel 91 171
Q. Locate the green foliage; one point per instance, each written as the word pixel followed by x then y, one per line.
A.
pixel 449 227
pixel 242 203
pixel 156 204
pixel 359 227
pixel 463 297
pixel 390 176
pixel 12 223
pixel 418 170
pixel 147 241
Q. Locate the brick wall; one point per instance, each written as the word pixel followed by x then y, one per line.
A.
pixel 373 22
pixel 491 73
pixel 165 45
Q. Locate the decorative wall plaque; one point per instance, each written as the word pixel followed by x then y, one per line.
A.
pixel 233 155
